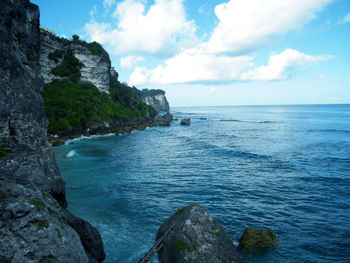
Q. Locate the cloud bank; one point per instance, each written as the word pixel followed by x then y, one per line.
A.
pixel 243 28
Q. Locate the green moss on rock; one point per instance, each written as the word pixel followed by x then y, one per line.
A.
pixel 179 211
pixel 182 245
pixel 257 239
pixel 3 152
pixel 37 203
pixel 43 224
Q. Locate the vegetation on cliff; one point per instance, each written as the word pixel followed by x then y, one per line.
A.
pixel 74 104
pixel 151 92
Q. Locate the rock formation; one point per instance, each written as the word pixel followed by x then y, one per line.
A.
pixel 195 237
pixel 257 239
pixel 95 69
pixel 157 101
pixel 34 224
pixel 186 122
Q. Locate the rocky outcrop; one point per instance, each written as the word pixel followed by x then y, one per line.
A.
pixel 158 102
pixel 164 120
pixel 95 69
pixel 195 237
pixel 185 122
pixel 34 224
pixel 253 239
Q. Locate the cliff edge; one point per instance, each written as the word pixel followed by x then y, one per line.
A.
pixel 34 224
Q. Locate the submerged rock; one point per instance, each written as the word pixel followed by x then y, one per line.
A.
pixel 185 122
pixel 257 239
pixel 196 237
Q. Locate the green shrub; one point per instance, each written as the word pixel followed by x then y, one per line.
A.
pixel 78 104
pixel 69 67
pixel 55 55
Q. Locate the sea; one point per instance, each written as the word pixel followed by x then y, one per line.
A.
pixel 284 168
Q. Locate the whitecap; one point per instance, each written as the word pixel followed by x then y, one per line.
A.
pixel 71 153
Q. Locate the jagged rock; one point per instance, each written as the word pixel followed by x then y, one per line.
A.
pixel 196 237
pixel 34 225
pixel 257 239
pixel 185 122
pixel 164 120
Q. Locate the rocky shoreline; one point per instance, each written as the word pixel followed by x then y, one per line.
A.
pixel 108 128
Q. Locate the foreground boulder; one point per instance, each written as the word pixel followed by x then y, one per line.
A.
pixel 257 239
pixel 185 122
pixel 195 237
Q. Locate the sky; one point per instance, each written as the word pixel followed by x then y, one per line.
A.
pixel 217 52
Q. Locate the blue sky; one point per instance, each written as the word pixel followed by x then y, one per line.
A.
pixel 208 53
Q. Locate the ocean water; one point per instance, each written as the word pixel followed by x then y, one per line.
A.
pixel 281 167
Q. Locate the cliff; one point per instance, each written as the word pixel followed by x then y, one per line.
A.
pixel 34 224
pixel 83 95
pixel 158 102
pixel 95 65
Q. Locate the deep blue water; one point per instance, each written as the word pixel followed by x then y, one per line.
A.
pixel 281 167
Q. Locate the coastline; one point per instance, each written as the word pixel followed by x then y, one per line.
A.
pixel 105 128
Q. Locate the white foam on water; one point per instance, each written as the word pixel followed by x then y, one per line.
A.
pixel 71 153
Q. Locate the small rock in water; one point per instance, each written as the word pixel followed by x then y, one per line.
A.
pixel 195 237
pixel 185 122
pixel 257 239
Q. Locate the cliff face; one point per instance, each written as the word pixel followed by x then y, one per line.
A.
pixel 34 224
pixel 158 102
pixel 95 69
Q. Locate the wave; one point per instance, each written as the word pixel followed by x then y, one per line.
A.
pixel 234 120
pixel 71 153
pixel 329 130
pixel 82 137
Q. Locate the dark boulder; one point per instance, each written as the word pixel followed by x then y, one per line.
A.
pixel 196 237
pixel 164 120
pixel 185 122
pixel 257 239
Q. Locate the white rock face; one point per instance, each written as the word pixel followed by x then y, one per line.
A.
pixel 48 45
pixel 95 70
pixel 158 102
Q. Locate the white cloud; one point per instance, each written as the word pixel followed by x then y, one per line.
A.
pixel 190 67
pixel 283 65
pixel 346 19
pixel 152 31
pixel 108 3
pixel 246 25
pixel 130 61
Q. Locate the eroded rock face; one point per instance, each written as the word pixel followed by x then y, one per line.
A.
pixel 34 225
pixel 196 237
pixel 96 68
pixel 158 102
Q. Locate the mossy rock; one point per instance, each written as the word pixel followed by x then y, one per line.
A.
pixel 253 239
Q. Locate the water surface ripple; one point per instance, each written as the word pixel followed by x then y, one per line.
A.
pixel 281 167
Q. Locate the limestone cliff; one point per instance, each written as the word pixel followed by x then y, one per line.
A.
pixel 156 99
pixel 34 224
pixel 95 69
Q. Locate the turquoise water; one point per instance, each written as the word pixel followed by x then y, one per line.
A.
pixel 281 167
